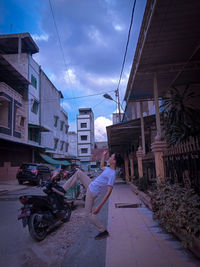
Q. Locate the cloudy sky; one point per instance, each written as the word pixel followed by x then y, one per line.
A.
pixel 87 59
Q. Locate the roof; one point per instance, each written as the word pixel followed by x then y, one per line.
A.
pixel 121 135
pixel 55 162
pixel 9 43
pixel 169 45
pixel 11 76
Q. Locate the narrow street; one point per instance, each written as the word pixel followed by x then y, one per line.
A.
pixel 65 242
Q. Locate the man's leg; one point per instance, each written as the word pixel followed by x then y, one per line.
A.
pixel 89 202
pixel 78 175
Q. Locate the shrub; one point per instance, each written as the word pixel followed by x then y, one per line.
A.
pixel 178 210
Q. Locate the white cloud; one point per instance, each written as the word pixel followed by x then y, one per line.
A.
pixel 70 76
pixel 41 37
pixel 118 27
pixel 101 81
pixel 100 128
pixel 95 35
pixel 66 105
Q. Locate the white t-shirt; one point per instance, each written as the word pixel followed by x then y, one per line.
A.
pixel 107 177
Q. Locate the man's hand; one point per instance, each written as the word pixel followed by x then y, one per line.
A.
pixel 105 152
pixel 96 210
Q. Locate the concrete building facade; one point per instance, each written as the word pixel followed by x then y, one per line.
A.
pixel 72 138
pixel 30 110
pixel 53 119
pixel 85 135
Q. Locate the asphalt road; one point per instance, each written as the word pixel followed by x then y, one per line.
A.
pixel 86 251
pixel 71 244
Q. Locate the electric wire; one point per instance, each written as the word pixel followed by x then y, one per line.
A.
pixel 127 43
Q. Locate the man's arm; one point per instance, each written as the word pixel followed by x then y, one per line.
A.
pixel 105 153
pixel 109 191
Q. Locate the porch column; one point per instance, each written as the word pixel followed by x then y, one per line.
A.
pixel 126 168
pixel 139 159
pixel 158 146
pixel 158 127
pixel 142 128
pixel 131 158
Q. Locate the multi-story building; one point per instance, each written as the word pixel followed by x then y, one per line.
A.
pixel 30 110
pixel 13 119
pixel 53 119
pixel 85 135
pixel 18 50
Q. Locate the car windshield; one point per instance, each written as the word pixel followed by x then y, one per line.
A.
pixel 29 167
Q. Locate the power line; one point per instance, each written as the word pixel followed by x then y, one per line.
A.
pixel 47 100
pixel 127 43
pixel 61 47
pixel 87 95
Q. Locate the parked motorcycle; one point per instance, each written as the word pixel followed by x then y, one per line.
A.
pixel 43 212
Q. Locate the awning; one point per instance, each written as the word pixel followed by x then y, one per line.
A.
pixel 55 162
pixel 41 128
pixel 122 135
pixel 168 45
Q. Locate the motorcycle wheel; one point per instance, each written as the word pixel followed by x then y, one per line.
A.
pixel 68 213
pixel 37 232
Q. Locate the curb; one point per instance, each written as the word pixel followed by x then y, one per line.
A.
pixel 144 197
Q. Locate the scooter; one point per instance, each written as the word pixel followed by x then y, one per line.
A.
pixel 43 212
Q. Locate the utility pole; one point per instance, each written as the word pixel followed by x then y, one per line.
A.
pixel 118 102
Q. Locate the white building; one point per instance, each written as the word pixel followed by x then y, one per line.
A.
pixel 72 138
pixel 54 119
pixel 85 135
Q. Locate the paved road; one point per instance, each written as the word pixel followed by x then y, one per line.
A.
pixel 72 244
pixel 86 251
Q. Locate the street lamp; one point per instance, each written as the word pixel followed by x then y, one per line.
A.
pixel 118 102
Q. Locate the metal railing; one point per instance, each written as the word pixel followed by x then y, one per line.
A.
pixel 182 163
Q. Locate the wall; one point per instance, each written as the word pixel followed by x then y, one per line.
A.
pixel 12 111
pixel 72 138
pixel 34 93
pixel 20 63
pixel 50 110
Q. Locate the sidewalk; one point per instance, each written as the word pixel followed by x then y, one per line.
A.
pixel 10 185
pixel 136 240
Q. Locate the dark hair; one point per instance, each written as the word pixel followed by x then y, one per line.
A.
pixel 119 159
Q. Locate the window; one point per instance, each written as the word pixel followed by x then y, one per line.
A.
pixel 61 125
pixel 61 145
pixel 35 106
pixel 83 125
pixel 55 121
pixel 22 121
pixel 34 134
pixel 83 137
pixel 66 147
pixel 55 143
pixel 66 128
pixel 84 150
pixel 34 81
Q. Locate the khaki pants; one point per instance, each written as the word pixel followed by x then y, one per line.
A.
pixel 90 197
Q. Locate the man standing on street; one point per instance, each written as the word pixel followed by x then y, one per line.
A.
pixel 102 184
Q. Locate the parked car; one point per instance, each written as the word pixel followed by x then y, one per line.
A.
pixel 33 172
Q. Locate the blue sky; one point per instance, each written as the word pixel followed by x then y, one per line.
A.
pixel 93 36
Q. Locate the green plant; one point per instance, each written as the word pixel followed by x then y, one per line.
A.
pixel 143 183
pixel 178 210
pixel 182 118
